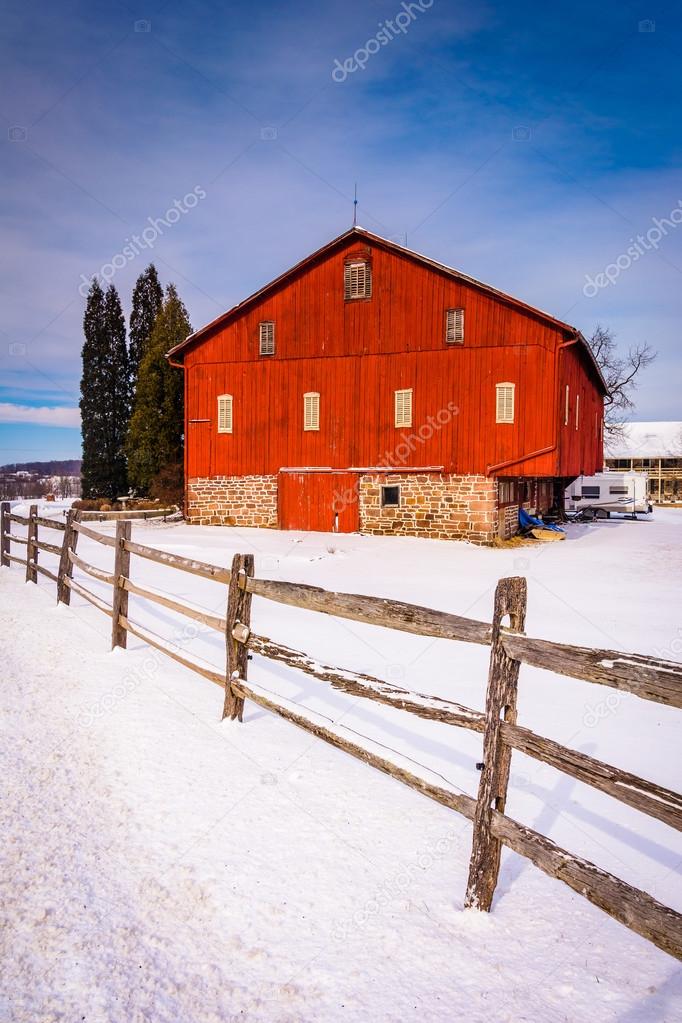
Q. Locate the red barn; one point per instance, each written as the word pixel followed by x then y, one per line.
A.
pixel 370 388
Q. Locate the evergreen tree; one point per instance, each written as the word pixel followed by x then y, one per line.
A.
pixel 147 302
pixel 156 426
pixel 93 469
pixel 105 394
pixel 118 393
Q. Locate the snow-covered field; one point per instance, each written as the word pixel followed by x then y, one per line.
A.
pixel 159 865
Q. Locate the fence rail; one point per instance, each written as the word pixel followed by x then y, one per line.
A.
pixel 78 527
pixel 50 523
pixel 648 678
pixel 113 516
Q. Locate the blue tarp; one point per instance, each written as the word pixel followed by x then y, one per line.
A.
pixel 526 521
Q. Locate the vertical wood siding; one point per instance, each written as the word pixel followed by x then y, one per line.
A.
pixel 357 353
pixel 580 451
pixel 326 502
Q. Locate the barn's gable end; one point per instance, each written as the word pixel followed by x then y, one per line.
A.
pixel 406 311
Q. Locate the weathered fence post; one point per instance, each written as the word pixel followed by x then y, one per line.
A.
pixel 238 614
pixel 503 676
pixel 31 549
pixel 119 634
pixel 65 570
pixel 4 530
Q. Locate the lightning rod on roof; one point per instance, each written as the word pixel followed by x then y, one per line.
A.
pixel 355 206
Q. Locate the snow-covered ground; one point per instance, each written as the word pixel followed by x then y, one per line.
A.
pixel 159 865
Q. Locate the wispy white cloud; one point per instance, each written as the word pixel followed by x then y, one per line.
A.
pixel 426 131
pixel 45 415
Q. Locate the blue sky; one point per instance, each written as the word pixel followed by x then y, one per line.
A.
pixel 526 144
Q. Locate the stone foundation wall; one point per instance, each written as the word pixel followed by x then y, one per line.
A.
pixel 437 505
pixel 233 501
pixel 509 521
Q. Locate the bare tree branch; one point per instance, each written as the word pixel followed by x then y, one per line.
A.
pixel 621 373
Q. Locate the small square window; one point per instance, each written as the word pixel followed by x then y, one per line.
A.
pixel 507 492
pixel 390 497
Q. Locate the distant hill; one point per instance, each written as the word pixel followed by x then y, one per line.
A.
pixel 67 467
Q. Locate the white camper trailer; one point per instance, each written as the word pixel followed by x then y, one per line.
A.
pixel 607 492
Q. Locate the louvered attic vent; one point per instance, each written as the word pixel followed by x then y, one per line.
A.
pixel 267 337
pixel 357 280
pixel 454 326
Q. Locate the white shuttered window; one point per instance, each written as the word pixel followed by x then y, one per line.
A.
pixel 267 337
pixel 311 411
pixel 403 408
pixel 224 413
pixel 357 280
pixel 454 326
pixel 504 403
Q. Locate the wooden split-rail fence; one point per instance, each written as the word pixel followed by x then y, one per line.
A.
pixel 646 677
